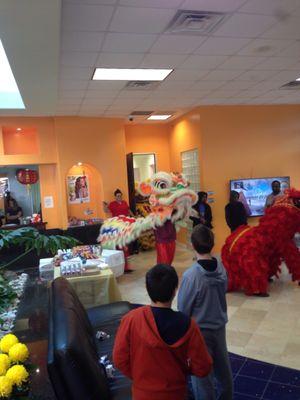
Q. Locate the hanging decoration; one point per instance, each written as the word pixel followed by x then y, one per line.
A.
pixel 27 176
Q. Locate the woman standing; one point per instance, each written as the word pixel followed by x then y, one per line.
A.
pixel 204 215
pixel 116 208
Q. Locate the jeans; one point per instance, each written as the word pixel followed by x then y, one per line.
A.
pixel 203 388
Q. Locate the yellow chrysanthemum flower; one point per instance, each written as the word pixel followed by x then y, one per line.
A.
pixel 4 363
pixel 17 374
pixel 7 342
pixel 6 387
pixel 18 353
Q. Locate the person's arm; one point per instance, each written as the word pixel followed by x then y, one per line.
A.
pixel 200 362
pixel 121 350
pixel 228 216
pixel 186 296
pixel 106 208
pixel 208 214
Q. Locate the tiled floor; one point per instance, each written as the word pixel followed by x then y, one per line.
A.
pixel 266 329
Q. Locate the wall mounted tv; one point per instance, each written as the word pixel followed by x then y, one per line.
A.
pixel 253 192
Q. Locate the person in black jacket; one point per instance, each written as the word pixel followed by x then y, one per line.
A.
pixel 203 210
pixel 235 212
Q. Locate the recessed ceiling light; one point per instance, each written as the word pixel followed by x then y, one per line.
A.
pixel 298 79
pixel 134 74
pixel 19 129
pixel 159 117
pixel 10 97
pixel 79 163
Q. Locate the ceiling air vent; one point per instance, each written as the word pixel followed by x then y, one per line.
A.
pixel 195 22
pixel 291 85
pixel 136 113
pixel 141 85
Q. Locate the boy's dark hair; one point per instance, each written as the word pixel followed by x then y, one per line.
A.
pixel 117 192
pixel 202 239
pixel 161 282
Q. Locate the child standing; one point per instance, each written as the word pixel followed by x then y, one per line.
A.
pixel 202 297
pixel 157 347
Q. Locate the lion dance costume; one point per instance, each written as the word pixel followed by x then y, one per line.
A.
pixel 170 200
pixel 251 255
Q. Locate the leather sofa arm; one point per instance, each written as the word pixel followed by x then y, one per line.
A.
pixel 108 312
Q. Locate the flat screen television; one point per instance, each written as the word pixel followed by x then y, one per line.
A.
pixel 253 192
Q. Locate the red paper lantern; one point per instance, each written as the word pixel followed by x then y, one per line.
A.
pixel 27 176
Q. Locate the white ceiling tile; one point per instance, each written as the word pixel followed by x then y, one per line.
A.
pixel 221 46
pixel 177 44
pixel 83 17
pixel 132 94
pixel 106 85
pixel 97 102
pixel 181 74
pixel 140 20
pixel 208 85
pixel 152 3
pixel 264 47
pixel 291 51
pixel 268 85
pixel 78 59
pixel 212 5
pixel 69 107
pixel 162 60
pixel 269 7
pixel 69 102
pixel 287 29
pixel 71 93
pixel 241 85
pixel 73 84
pixel 174 85
pixel 279 63
pixel 103 2
pixel 203 62
pixel 222 75
pixel 241 62
pixel 66 113
pixel 128 42
pixel 100 94
pixel 82 41
pixel 81 73
pixel 285 76
pixel 245 25
pixel 223 93
pixel 256 76
pixel 119 60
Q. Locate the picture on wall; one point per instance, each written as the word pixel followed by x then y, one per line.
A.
pixel 253 192
pixel 78 189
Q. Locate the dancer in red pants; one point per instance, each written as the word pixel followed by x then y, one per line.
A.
pixel 165 237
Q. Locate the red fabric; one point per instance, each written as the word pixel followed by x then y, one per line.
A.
pixel 165 252
pixel 250 258
pixel 159 371
pixel 118 208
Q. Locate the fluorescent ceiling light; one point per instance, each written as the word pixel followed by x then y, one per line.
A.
pixel 159 117
pixel 298 79
pixel 133 74
pixel 10 97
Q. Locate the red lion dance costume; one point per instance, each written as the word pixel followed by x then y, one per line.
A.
pixel 251 255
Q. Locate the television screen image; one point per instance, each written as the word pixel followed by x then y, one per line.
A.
pixel 253 192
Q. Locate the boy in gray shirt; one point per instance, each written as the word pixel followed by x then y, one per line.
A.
pixel 202 297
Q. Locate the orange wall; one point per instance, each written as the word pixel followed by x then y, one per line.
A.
pixel 98 142
pixel 25 141
pixel 239 142
pixel 150 139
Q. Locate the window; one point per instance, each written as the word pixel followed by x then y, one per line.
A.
pixel 190 168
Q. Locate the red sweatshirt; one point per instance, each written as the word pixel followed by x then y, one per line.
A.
pixel 158 370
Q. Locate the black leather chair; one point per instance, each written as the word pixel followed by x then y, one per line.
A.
pixel 74 352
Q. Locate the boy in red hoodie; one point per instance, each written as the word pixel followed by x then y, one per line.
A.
pixel 157 347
